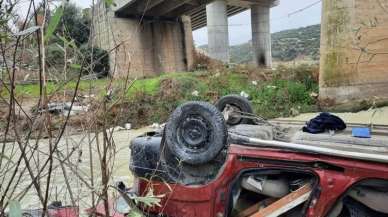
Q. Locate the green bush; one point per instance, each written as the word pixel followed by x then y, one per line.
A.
pixel 280 97
pixel 307 74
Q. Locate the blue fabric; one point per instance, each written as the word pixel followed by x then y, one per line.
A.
pixel 323 122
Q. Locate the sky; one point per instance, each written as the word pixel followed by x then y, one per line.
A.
pixel 240 24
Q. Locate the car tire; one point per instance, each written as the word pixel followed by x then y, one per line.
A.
pixel 240 103
pixel 196 133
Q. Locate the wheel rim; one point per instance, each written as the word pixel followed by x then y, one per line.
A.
pixel 232 110
pixel 194 132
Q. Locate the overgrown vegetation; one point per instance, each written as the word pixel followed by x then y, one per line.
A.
pixel 288 45
pixel 287 91
pixel 284 91
pixel 297 43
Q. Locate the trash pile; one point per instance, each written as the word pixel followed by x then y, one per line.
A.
pixel 66 108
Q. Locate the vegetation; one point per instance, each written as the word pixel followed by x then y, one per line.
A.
pixel 288 45
pixel 45 42
pixel 303 42
pixel 99 58
pixel 287 93
pixel 74 25
pixel 66 43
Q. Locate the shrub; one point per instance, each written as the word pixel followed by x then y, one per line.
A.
pixel 304 73
pixel 280 97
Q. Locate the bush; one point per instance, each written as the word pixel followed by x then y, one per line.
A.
pixel 280 97
pixel 304 73
pixel 100 61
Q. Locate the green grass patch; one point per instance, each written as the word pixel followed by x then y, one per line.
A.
pixel 153 99
pixel 33 90
pixel 270 99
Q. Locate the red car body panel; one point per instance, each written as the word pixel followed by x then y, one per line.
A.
pixel 212 199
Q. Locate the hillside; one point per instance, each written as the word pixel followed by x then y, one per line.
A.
pixel 288 45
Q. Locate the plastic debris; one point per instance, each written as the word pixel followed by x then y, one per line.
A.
pixel 195 93
pixel 244 94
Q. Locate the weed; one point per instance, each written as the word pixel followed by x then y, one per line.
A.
pixel 153 99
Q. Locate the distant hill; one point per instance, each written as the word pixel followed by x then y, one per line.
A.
pixel 288 45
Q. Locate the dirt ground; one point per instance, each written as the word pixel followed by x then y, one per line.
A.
pixel 374 116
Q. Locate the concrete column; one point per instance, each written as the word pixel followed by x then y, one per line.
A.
pixel 188 42
pixel 218 34
pixel 261 35
pixel 351 77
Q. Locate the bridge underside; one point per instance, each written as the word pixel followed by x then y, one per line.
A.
pixel 172 9
pixel 164 41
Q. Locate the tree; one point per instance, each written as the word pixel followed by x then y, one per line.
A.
pixel 74 24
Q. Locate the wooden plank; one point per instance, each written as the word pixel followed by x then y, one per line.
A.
pixel 255 208
pixel 286 203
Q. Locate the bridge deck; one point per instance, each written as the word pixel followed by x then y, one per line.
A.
pixel 171 9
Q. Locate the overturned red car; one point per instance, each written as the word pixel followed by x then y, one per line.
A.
pixel 222 161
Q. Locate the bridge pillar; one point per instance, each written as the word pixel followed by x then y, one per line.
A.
pixel 354 47
pixel 218 34
pixel 261 35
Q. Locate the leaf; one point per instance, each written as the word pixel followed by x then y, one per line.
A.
pixel 27 31
pixel 15 209
pixel 68 43
pixel 148 201
pixel 54 22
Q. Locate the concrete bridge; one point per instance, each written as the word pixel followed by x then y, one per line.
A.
pixel 164 41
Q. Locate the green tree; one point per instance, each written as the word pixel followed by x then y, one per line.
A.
pixel 74 24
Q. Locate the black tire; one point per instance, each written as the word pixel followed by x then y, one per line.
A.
pixel 196 133
pixel 242 104
pixel 239 102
